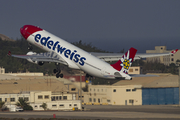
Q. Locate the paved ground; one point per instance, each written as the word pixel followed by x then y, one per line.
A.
pixel 149 112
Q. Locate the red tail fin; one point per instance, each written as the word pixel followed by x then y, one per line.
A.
pixel 125 62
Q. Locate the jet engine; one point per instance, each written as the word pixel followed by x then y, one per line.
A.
pixel 40 63
pixel 35 62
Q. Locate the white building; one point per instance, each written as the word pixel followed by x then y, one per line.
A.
pixel 2 70
pixel 37 98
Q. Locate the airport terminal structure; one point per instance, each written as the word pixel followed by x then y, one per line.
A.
pixel 65 93
pixel 160 90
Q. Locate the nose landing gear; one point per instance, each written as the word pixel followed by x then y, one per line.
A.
pixel 30 46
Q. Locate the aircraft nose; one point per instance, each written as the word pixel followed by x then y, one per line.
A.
pixel 24 32
pixel 27 30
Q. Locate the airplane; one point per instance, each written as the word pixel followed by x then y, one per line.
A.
pixel 60 51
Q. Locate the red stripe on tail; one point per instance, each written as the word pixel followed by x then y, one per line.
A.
pixel 125 62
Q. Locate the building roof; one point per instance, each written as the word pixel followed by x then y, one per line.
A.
pixel 31 84
pixel 166 80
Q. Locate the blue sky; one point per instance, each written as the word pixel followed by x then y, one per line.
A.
pixel 110 25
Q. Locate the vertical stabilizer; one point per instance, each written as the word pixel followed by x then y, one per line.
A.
pixel 125 62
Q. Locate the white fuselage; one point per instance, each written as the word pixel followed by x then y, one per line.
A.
pixel 74 56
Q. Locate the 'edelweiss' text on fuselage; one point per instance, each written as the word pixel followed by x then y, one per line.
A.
pixel 45 41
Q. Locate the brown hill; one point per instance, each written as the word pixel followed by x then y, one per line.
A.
pixel 3 37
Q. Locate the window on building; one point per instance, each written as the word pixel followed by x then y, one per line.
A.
pixel 81 96
pixel 70 105
pixel 130 70
pixel 128 90
pixel 172 54
pixel 102 90
pixel 46 97
pixel 94 99
pixel 26 98
pixel 64 97
pixel 131 101
pixel 5 99
pixel 99 100
pixel 35 106
pixel 134 89
pixel 61 105
pixel 75 104
pixel 12 99
pixel 40 97
pixel 40 106
pixel 94 89
pixel 98 90
pixel 136 69
pixel 1 99
pixel 53 98
pixel 108 100
pixel 90 89
pixel 54 106
pixel 114 90
pixel 172 59
pixel 73 89
pixel 20 97
pixel 60 97
pixel 57 98
pixel 90 99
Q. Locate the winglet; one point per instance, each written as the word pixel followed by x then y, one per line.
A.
pixel 174 51
pixel 9 53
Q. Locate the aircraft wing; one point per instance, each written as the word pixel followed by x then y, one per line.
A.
pixel 43 57
pixel 117 56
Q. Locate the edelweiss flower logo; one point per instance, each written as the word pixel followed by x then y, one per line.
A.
pixel 126 63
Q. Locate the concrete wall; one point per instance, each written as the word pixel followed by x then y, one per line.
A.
pixel 114 95
pixel 58 105
pixel 12 98
pixel 40 96
pixel 25 74
pixel 126 95
pixel 134 70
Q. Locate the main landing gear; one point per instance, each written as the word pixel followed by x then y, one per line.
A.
pixel 30 46
pixel 58 72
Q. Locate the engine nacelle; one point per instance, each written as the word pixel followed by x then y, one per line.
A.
pixel 40 63
pixel 35 62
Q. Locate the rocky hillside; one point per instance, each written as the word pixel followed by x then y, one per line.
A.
pixel 5 38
